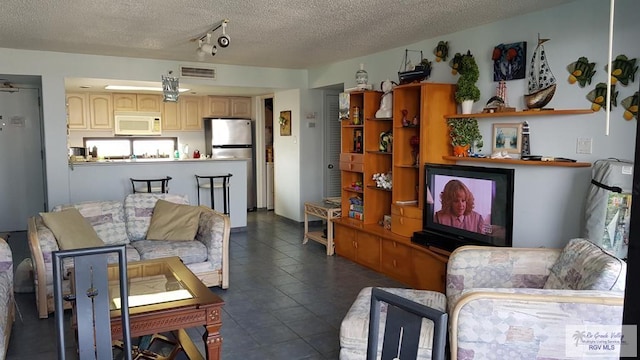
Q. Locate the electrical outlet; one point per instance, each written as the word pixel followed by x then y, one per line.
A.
pixel 584 146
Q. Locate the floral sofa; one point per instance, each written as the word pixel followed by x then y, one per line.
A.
pixel 7 309
pixel 516 303
pixel 115 222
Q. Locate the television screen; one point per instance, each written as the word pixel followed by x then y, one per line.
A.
pixel 467 205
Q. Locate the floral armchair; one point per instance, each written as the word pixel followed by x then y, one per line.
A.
pixel 516 303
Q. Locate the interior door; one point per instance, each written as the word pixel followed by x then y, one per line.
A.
pixel 332 149
pixel 21 166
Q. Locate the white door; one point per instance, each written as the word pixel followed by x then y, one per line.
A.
pixel 332 149
pixel 21 167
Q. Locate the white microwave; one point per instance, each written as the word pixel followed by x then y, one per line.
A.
pixel 137 123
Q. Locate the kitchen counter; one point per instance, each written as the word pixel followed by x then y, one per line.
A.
pixel 150 161
pixel 109 180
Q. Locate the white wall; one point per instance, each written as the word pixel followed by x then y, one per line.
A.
pixel 286 152
pixel 549 202
pixel 54 67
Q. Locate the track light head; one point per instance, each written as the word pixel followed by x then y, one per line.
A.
pixel 206 48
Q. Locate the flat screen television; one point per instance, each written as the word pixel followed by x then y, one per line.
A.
pixel 466 205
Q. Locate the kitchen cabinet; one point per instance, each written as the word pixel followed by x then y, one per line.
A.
pixel 190 112
pixel 361 247
pixel 241 107
pixel 77 111
pixel 186 114
pixel 171 116
pixel 218 106
pixel 100 111
pixel 224 106
pixel 137 102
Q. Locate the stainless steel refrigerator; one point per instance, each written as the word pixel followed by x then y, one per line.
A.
pixel 233 138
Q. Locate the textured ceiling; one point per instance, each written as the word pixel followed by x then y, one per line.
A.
pixel 275 33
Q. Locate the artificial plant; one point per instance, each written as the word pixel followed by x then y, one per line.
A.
pixel 469 73
pixel 464 131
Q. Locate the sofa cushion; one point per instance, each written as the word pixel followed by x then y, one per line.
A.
pixel 71 229
pixel 106 217
pixel 138 209
pixel 190 252
pixel 583 265
pixel 172 221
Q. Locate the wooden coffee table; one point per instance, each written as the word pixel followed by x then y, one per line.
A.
pixel 165 296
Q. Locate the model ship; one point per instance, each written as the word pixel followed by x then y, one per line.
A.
pixel 542 83
pixel 409 73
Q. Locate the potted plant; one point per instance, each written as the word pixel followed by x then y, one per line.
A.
pixel 467 92
pixel 464 132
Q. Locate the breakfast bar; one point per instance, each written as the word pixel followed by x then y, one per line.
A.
pixel 109 180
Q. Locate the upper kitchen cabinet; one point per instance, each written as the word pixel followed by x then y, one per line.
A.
pixel 223 106
pixel 137 102
pixel 190 112
pixel 77 111
pixel 218 106
pixel 101 111
pixel 171 116
pixel 241 107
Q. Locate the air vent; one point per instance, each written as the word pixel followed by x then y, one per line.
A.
pixel 198 72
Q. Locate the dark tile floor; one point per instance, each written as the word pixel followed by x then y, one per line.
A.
pixel 285 299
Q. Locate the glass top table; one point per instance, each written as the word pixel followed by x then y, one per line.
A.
pixel 165 296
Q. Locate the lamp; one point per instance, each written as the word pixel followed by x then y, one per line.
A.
pixel 170 89
pixel 205 47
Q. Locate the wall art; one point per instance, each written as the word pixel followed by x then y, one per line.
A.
pixel 509 61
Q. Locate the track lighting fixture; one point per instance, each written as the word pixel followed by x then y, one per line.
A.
pixel 205 47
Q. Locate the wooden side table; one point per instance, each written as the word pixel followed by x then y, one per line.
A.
pixel 328 209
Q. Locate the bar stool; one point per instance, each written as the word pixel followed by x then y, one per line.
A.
pixel 160 185
pixel 215 181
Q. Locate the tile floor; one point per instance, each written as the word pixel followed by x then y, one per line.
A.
pixel 285 300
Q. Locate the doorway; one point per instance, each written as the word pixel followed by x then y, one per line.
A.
pixel 22 190
pixel 332 148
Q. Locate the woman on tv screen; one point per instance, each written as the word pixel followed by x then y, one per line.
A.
pixel 457 208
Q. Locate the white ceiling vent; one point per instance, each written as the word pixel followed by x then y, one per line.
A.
pixel 198 72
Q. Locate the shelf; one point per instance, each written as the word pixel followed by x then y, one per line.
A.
pixel 380 119
pixel 379 152
pixel 360 126
pixel 522 113
pixel 350 189
pixel 378 188
pixel 408 166
pixel 519 162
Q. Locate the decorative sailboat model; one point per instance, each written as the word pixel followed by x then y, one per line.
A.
pixel 542 83
pixel 409 73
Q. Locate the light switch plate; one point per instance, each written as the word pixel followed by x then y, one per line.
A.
pixel 584 146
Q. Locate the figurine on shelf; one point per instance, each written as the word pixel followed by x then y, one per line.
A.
pixel 414 141
pixel 386 102
pixel 405 121
pixel 415 120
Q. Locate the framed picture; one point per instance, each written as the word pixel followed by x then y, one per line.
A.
pixel 285 123
pixel 507 137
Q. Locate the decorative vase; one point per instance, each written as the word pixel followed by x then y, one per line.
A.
pixel 466 106
pixel 461 150
pixel 362 78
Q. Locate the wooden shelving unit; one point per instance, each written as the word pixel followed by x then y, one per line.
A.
pixel 518 161
pixel 523 113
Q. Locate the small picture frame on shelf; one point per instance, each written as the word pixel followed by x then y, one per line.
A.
pixel 507 137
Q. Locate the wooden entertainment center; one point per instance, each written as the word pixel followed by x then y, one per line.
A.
pixel 361 234
pixel 419 110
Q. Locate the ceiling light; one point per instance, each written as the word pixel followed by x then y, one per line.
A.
pixel 205 47
pixel 170 88
pixel 138 88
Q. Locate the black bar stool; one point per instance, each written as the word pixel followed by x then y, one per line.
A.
pixel 215 181
pixel 160 185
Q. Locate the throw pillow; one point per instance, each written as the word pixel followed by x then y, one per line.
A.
pixel 71 229
pixel 171 221
pixel 582 265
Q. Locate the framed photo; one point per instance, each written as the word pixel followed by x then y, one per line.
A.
pixel 285 123
pixel 507 137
